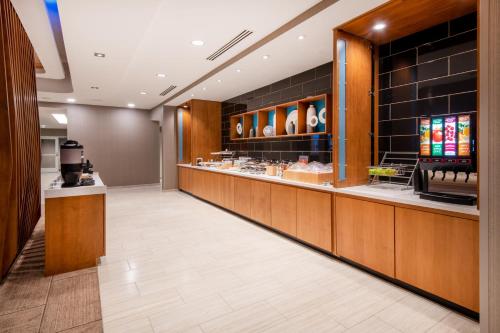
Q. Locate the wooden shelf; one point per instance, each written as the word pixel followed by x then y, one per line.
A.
pixel 258 119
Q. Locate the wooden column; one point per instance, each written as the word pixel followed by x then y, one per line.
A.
pixel 19 138
pixel 489 86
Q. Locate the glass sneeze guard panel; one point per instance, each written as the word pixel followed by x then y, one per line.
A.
pixel 341 56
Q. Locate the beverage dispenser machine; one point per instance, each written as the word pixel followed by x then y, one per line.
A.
pixel 447 146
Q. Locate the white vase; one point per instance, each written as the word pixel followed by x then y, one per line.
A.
pixel 311 113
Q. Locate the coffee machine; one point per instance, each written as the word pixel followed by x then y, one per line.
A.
pixel 447 159
pixel 71 155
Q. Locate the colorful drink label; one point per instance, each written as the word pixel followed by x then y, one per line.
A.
pixel 464 136
pixel 425 137
pixel 437 137
pixel 450 136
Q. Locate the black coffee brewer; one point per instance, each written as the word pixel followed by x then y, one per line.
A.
pixel 71 163
pixel 447 145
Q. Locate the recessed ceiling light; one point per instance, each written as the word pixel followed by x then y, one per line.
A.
pixel 60 118
pixel 94 87
pixel 192 95
pixel 160 75
pixel 204 88
pixel 43 126
pixel 131 105
pixel 301 37
pixel 265 56
pixel 185 106
pixel 219 81
pixel 238 70
pixel 197 42
pixel 143 93
pixel 99 55
pixel 379 26
pixel 70 100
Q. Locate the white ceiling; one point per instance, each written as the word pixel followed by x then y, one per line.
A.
pixel 46 118
pixel 143 38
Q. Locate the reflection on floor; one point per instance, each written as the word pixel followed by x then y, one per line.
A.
pixel 175 263
pixel 31 302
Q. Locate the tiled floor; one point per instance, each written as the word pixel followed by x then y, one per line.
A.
pixel 177 264
pixel 32 302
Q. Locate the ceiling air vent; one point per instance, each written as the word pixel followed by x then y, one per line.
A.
pixel 242 35
pixel 166 91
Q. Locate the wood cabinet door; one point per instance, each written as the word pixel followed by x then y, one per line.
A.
pixel 260 208
pixel 314 218
pixel 284 209
pixel 227 192
pixel 184 179
pixel 439 254
pixel 196 182
pixel 242 195
pixel 365 233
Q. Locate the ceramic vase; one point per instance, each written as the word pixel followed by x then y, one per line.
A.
pixel 311 113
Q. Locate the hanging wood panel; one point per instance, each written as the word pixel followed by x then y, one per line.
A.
pixel 20 156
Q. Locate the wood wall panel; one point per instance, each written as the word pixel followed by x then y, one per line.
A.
pixel 358 109
pixel 205 129
pixel 19 138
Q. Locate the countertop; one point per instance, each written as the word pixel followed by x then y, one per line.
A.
pixel 386 192
pixel 55 189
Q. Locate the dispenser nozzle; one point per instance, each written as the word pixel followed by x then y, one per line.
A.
pixel 467 173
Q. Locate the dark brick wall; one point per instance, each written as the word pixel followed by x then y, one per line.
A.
pixel 313 82
pixel 432 72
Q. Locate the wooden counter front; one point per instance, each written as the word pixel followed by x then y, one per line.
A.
pixel 74 232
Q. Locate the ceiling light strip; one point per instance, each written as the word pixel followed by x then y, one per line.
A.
pixel 241 36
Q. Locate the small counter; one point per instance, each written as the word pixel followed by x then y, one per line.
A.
pixel 75 220
pixel 56 190
pixel 390 193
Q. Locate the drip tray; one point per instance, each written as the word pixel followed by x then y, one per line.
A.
pixel 449 198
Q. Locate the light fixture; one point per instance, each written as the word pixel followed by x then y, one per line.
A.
pixel 185 106
pixel 43 126
pixel 131 105
pixel 238 70
pixel 204 88
pixel 192 95
pixel 99 55
pixel 197 43
pixel 160 75
pixel 143 93
pixel 265 56
pixel 219 81
pixel 60 118
pixel 379 26
pixel 70 100
pixel 301 37
pixel 94 87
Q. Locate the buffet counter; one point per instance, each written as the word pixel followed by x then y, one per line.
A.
pixel 75 220
pixel 396 194
pixel 430 247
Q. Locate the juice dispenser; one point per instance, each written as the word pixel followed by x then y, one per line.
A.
pixel 447 145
